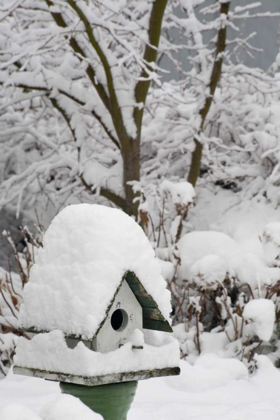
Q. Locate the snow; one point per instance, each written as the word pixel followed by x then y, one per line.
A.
pixel 241 152
pixel 87 250
pixel 98 175
pixel 49 352
pixel 271 243
pixel 180 194
pixel 204 251
pixel 137 338
pixel 209 371
pixel 214 343
pixel 208 270
pixel 66 407
pixel 212 389
pixel 255 272
pixel 261 314
pixel 167 269
pixel 249 249
pixel 17 412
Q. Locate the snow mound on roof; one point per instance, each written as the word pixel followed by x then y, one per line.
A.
pixel 87 250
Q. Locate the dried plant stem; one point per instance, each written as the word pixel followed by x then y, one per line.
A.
pixel 197 332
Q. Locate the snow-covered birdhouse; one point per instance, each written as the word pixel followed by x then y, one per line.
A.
pixel 94 289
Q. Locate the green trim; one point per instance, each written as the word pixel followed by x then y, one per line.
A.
pixel 152 317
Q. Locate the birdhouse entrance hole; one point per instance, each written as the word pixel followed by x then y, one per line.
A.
pixel 119 320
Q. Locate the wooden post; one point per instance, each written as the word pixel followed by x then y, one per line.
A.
pixel 112 401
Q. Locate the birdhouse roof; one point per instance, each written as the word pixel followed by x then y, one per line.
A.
pixel 88 251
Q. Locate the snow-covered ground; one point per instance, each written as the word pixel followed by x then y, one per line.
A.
pixel 211 389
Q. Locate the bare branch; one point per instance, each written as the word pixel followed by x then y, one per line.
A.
pixel 150 56
pixel 110 195
pixel 214 79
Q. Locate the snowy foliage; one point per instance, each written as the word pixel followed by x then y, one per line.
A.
pixel 10 300
pixel 11 295
pixel 261 314
pixel 75 98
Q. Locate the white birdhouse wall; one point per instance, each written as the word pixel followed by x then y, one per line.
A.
pixel 123 318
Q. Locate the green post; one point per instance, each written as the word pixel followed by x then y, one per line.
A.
pixel 112 401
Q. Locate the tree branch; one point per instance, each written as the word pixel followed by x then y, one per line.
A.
pixel 214 79
pixel 150 56
pixel 59 20
pixel 96 116
pixel 110 195
pixel 74 99
pixel 113 106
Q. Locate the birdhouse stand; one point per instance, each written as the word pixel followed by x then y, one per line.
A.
pixel 94 290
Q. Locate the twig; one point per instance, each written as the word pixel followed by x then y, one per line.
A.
pixel 197 332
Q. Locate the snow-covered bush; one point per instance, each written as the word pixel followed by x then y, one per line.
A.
pixel 221 293
pixel 163 210
pixel 11 290
pixel 243 131
pixel 10 299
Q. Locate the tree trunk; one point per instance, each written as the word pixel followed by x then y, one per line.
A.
pixel 195 163
pixel 131 172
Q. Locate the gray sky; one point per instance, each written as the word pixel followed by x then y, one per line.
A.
pixel 267 38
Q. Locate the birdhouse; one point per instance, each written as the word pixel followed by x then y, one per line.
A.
pixel 94 290
pixel 131 308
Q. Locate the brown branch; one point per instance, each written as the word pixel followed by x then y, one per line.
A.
pixel 20 269
pixel 59 20
pixel 7 303
pixel 110 195
pixel 110 102
pixel 66 118
pixel 197 332
pixel 214 79
pixel 106 193
pixel 48 91
pixel 180 226
pixel 150 56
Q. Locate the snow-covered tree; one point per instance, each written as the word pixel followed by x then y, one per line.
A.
pixel 91 63
pixel 83 106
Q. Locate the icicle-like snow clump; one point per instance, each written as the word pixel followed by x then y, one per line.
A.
pixel 261 314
